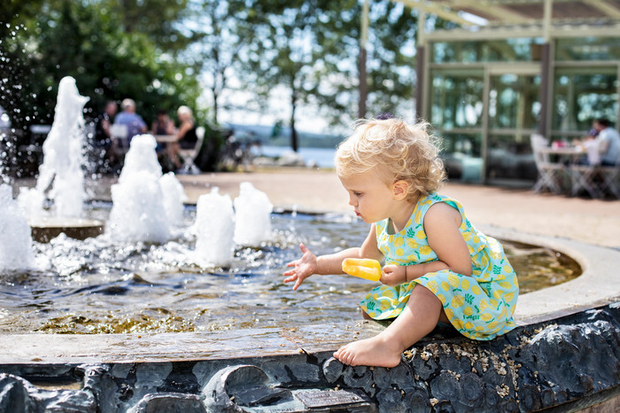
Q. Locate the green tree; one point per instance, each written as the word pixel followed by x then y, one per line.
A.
pixel 221 30
pixel 311 48
pixel 390 62
pixel 293 42
pixel 85 40
pixel 158 20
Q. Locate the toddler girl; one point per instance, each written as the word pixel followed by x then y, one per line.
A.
pixel 438 267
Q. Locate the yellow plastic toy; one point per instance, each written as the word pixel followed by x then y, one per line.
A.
pixel 362 267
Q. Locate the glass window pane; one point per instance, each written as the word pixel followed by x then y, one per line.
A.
pixel 583 94
pixel 510 157
pixel 587 48
pixel 509 50
pixel 461 156
pixel 456 99
pixel 514 102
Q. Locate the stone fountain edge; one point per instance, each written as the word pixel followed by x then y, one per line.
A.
pixel 594 288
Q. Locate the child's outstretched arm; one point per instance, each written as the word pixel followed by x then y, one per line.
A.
pixel 310 264
pixel 302 268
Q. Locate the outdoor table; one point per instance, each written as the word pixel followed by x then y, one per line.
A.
pixel 165 138
pixel 572 153
pixel 575 176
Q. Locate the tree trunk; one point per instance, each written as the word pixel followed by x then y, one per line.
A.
pixel 362 83
pixel 215 106
pixel 293 130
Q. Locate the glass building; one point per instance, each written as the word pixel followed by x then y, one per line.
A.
pixel 513 68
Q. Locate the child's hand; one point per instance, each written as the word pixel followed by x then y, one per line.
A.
pixel 304 267
pixel 393 275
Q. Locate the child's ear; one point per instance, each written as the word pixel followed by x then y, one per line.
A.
pixel 400 189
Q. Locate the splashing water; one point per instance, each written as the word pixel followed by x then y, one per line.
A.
pixel 215 229
pixel 174 199
pixel 15 239
pixel 139 212
pixel 63 156
pixel 252 211
pixel 141 157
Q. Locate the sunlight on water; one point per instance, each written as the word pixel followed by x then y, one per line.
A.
pixel 95 286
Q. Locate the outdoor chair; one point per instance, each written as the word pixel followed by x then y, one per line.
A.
pixel 549 174
pixel 189 155
pixel 119 135
pixel 610 177
pixel 583 179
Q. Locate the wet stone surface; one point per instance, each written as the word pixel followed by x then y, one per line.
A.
pixel 572 361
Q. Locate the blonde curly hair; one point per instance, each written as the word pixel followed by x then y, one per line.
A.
pixel 399 152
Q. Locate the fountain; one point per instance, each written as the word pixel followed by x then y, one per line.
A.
pixel 202 337
pixel 61 174
pixel 252 209
pixel 15 240
pixel 215 228
pixel 197 318
pixel 139 212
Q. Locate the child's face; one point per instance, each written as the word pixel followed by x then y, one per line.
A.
pixel 369 195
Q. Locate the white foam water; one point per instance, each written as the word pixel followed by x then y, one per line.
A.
pixel 15 236
pixel 174 198
pixel 31 202
pixel 138 212
pixel 63 154
pixel 214 229
pixel 253 216
pixel 141 156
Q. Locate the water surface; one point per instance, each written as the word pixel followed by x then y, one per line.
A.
pixel 95 286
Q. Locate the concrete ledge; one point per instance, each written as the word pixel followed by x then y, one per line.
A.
pixel 532 368
pixel 599 284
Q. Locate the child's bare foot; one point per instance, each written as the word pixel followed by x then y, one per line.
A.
pixel 373 351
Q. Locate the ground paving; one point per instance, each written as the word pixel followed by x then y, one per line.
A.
pixel 593 221
pixel 587 220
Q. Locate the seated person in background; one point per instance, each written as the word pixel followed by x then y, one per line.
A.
pixel 163 125
pixel 128 117
pixel 186 136
pixel 103 136
pixel 589 145
pixel 609 142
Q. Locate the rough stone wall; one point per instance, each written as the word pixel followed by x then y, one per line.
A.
pixel 567 363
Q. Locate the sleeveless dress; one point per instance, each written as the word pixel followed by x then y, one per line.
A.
pixel 188 141
pixel 479 306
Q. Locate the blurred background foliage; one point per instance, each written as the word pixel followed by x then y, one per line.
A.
pixel 167 53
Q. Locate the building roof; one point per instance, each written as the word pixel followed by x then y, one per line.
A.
pixel 531 17
pixel 505 12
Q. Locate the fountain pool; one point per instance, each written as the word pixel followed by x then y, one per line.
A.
pixel 101 286
pixel 234 338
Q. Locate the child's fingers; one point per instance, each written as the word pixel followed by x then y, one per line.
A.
pixel 303 248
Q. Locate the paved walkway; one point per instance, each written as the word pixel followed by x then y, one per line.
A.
pixel 587 220
pixel 592 221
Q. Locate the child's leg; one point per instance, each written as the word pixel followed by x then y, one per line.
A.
pixel 419 318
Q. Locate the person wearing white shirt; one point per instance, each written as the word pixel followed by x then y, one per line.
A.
pixel 608 142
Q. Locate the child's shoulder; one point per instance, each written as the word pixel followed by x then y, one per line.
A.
pixel 433 198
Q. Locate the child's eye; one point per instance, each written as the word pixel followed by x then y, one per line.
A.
pixel 358 194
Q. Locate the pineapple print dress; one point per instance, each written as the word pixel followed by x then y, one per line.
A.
pixel 479 306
